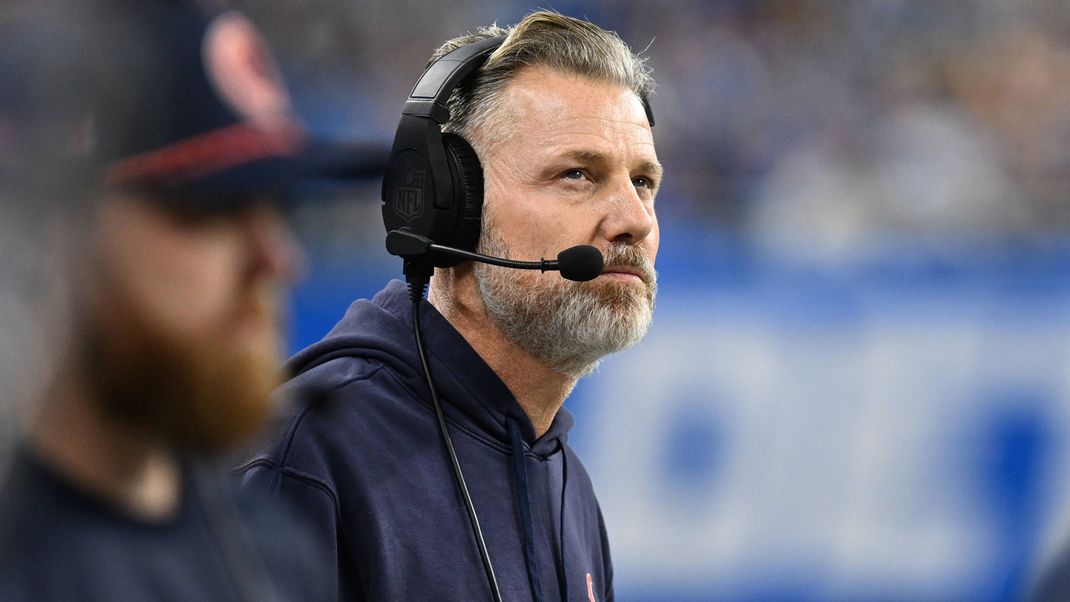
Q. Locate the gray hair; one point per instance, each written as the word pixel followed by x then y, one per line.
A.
pixel 542 38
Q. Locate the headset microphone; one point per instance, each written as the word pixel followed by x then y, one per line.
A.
pixel 580 263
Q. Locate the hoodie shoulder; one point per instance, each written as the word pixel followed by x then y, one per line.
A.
pixel 313 401
pixel 334 373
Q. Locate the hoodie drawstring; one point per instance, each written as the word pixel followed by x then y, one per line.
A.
pixel 524 505
pixel 561 527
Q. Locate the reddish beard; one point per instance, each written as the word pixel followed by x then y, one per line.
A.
pixel 200 393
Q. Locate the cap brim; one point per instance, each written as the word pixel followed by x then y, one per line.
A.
pixel 321 166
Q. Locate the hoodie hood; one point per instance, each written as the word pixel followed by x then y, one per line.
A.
pixel 473 395
pixel 360 455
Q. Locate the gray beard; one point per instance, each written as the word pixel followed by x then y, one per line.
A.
pixel 569 326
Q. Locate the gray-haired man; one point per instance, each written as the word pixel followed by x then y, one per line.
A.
pixel 557 118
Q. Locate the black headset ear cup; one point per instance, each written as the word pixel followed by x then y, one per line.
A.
pixel 467 175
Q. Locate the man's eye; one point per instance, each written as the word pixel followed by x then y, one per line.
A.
pixel 573 174
pixel 643 182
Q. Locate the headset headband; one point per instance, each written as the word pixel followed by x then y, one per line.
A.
pixel 433 183
pixel 431 94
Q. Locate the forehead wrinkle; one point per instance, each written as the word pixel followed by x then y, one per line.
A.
pixel 592 121
pixel 553 131
pixel 564 126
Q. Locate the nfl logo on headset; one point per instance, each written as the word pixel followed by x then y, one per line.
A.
pixel 409 194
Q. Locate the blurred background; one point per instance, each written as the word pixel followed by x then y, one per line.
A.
pixel 857 385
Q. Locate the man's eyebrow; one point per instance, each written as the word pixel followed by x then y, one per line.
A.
pixel 589 156
pixel 652 167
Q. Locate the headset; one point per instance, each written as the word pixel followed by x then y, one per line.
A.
pixel 434 182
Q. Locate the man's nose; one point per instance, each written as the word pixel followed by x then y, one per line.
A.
pixel 630 218
pixel 273 251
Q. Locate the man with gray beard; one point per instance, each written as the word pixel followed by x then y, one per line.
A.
pixel 557 118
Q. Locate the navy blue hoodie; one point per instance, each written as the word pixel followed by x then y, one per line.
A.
pixel 59 541
pixel 362 457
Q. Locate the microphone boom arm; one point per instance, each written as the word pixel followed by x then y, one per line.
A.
pixel 541 265
pixel 579 263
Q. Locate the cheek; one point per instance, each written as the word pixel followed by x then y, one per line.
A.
pixel 532 234
pixel 653 241
pixel 184 285
pixel 536 224
pixel 528 219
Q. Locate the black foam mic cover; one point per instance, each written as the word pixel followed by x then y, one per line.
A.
pixel 580 263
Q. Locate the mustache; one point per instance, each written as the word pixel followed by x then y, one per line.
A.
pixel 625 255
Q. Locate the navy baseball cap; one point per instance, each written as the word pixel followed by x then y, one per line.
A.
pixel 178 100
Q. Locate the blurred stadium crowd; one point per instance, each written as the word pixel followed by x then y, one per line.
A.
pixel 818 127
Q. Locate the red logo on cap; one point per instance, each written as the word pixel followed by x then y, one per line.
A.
pixel 246 80
pixel 243 72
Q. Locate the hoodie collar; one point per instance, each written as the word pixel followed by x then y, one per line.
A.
pixel 382 329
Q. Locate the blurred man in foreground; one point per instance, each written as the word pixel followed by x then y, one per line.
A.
pixel 154 139
pixel 556 115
